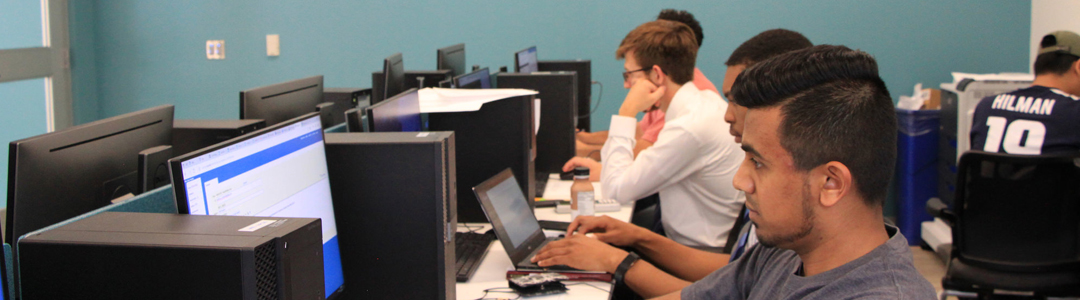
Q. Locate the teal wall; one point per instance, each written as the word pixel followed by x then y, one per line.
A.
pixel 23 102
pixel 148 53
pixel 84 75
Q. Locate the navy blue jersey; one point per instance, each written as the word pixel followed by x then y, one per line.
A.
pixel 1035 120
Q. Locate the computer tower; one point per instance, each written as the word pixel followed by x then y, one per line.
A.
pixel 345 99
pixel 496 137
pixel 191 135
pixel 555 142
pixel 583 68
pixel 115 255
pixel 395 205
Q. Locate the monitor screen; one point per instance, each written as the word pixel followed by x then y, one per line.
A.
pixel 279 171
pixel 479 79
pixel 526 61
pixel 56 176
pixel 393 77
pixel 451 58
pixel 400 113
pixel 279 102
pixel 513 210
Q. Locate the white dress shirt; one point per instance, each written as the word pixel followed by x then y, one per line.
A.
pixel 691 165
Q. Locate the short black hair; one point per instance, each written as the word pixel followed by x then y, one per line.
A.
pixel 767 44
pixel 835 107
pixel 1053 62
pixel 684 17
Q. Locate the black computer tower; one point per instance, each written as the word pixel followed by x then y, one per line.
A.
pixel 395 205
pixel 345 99
pixel 114 255
pixel 191 135
pixel 496 137
pixel 583 68
pixel 558 115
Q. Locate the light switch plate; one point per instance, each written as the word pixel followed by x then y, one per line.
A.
pixel 273 45
pixel 215 49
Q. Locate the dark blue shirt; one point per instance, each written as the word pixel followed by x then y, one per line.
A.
pixel 1033 121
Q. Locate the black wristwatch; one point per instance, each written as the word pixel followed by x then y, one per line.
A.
pixel 627 262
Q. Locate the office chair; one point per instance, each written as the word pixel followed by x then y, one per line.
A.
pixel 1015 226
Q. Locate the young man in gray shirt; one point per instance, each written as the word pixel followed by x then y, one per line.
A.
pixel 820 147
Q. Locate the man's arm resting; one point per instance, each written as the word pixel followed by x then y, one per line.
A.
pixel 680 260
pixel 648 281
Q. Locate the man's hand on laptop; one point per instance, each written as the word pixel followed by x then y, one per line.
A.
pixel 580 252
pixel 607 229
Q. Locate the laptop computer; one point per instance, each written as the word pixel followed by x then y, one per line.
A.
pixel 513 221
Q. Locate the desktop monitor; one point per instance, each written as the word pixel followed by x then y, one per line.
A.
pixel 393 81
pixel 56 176
pixel 278 171
pixel 399 113
pixel 451 58
pixel 279 102
pixel 525 61
pixel 479 79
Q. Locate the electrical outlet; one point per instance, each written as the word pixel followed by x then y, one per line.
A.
pixel 215 49
pixel 273 45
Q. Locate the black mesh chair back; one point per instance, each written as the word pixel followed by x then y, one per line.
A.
pixel 1018 213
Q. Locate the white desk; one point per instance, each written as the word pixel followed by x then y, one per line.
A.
pixel 492 270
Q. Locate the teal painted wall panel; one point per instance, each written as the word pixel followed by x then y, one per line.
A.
pixel 152 52
pixel 20 24
pixel 83 61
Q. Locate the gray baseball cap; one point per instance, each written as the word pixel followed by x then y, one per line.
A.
pixel 1061 41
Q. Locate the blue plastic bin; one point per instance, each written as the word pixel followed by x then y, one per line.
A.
pixel 916 168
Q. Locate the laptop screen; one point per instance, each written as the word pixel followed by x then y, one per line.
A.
pixel 513 211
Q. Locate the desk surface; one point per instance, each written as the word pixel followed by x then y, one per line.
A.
pixel 492 270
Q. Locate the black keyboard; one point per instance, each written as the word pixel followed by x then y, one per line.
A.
pixel 470 248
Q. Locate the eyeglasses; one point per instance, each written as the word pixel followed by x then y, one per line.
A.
pixel 626 75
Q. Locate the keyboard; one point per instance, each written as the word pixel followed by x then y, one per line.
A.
pixel 602 205
pixel 470 248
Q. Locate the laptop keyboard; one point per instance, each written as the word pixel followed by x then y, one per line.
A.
pixel 470 248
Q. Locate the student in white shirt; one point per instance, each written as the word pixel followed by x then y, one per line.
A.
pixel 694 155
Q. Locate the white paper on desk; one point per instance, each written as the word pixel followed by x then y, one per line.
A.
pixel 536 115
pixel 958 76
pixel 435 100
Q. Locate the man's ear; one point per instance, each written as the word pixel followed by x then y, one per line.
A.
pixel 659 76
pixel 834 182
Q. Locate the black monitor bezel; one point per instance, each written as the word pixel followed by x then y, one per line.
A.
pixel 389 74
pixel 442 53
pixel 517 61
pixel 368 111
pixel 457 79
pixel 176 172
pixel 526 247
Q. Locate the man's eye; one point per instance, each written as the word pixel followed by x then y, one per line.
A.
pixel 756 163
